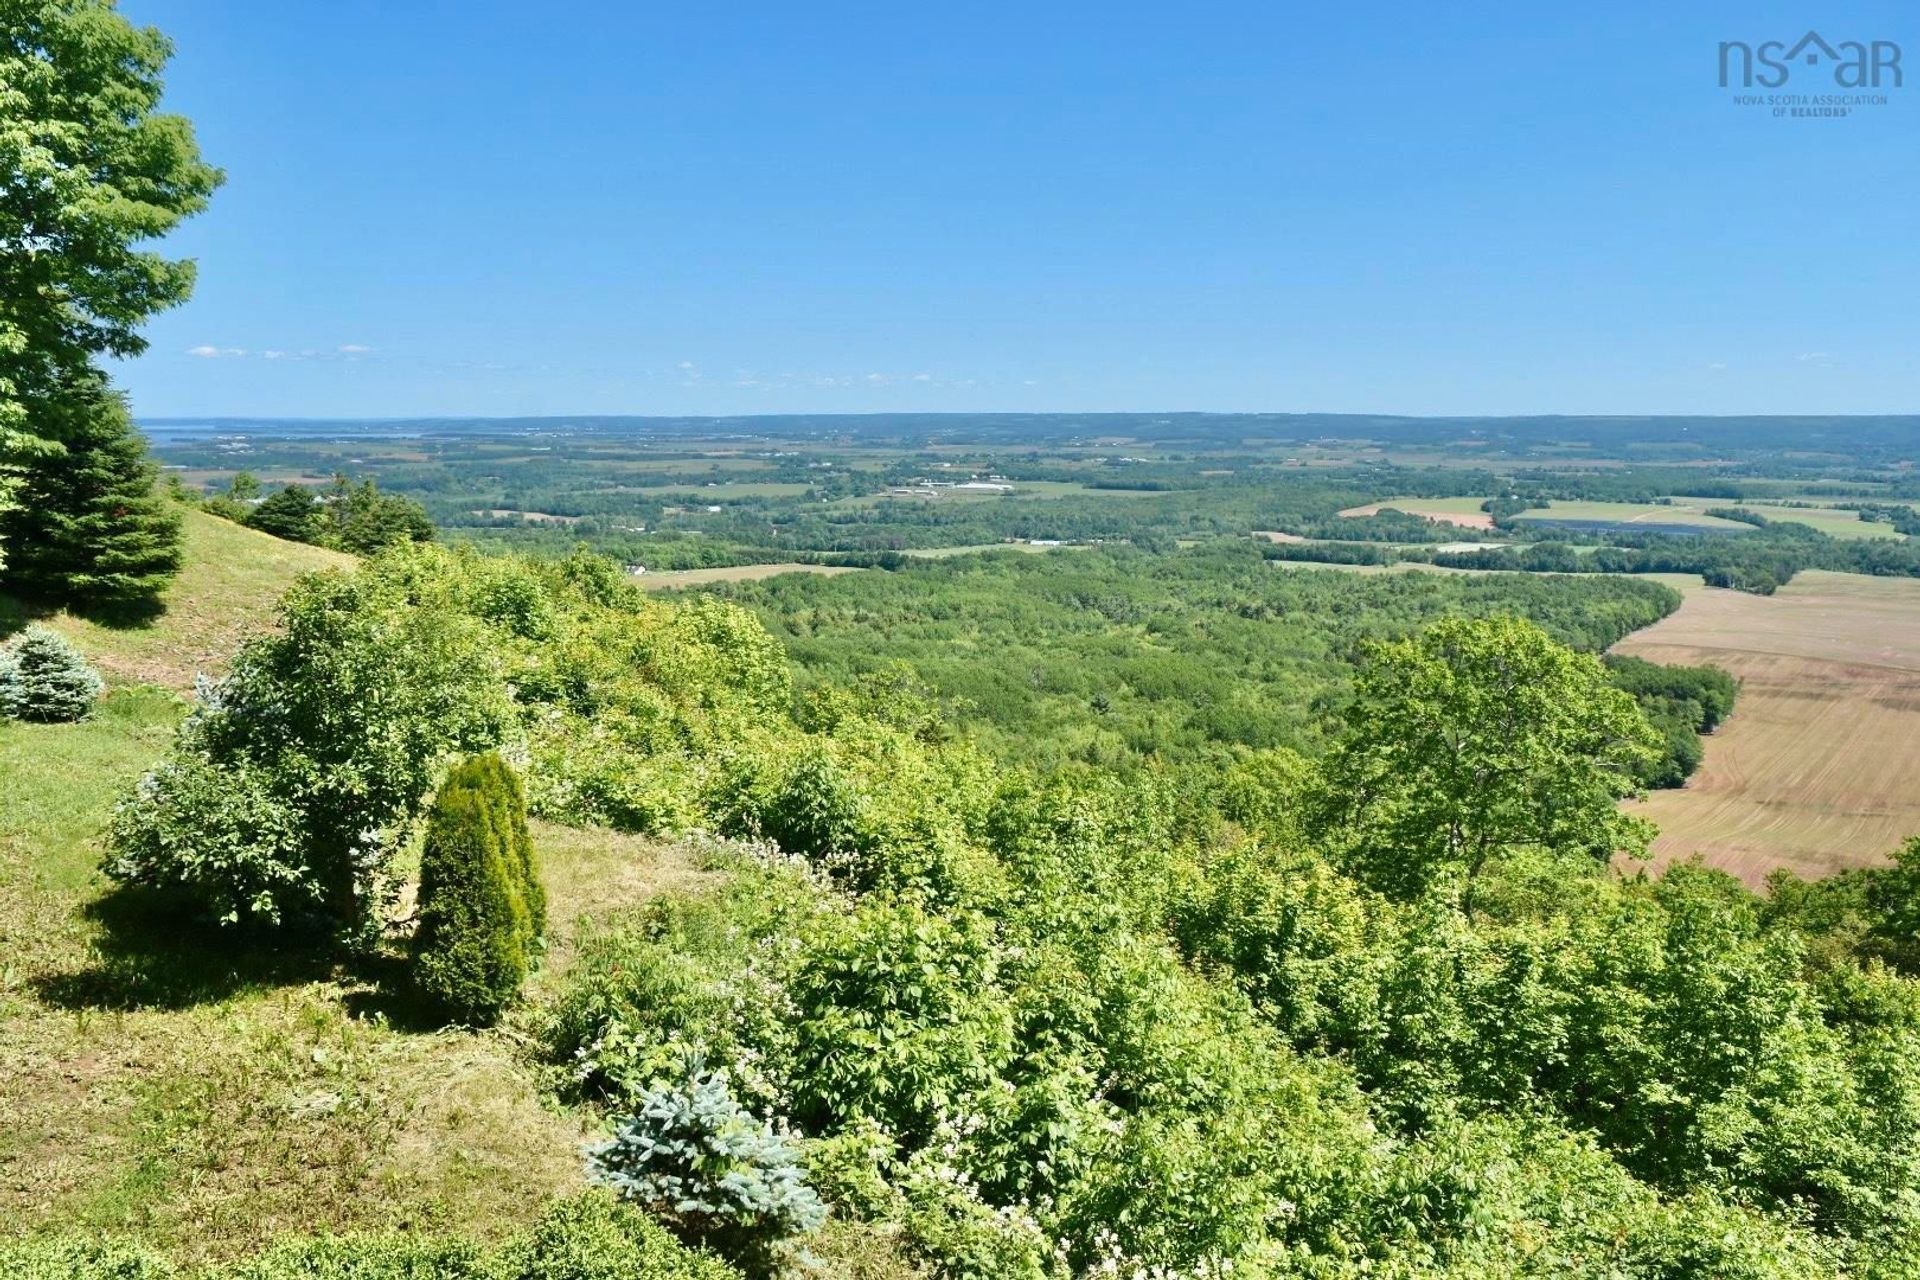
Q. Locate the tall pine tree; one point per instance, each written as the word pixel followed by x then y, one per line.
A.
pixel 88 527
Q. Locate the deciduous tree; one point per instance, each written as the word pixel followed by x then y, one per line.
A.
pixel 1477 737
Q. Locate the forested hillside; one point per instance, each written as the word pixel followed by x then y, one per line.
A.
pixel 910 1011
pixel 1111 656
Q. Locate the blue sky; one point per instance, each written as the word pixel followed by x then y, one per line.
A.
pixel 490 208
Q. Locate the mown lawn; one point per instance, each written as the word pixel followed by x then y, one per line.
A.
pixel 158 1080
pixel 229 589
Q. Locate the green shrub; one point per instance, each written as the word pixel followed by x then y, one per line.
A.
pixel 470 952
pixel 691 1153
pixel 220 833
pixel 591 1237
pixel 900 1018
pixel 365 1258
pixel 588 1237
pixel 509 796
pixel 43 677
pixel 706 972
pixel 62 1259
pixel 339 721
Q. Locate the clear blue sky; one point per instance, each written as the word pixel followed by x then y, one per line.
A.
pixel 490 208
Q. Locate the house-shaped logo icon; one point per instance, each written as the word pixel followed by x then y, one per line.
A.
pixel 1856 64
pixel 1812 47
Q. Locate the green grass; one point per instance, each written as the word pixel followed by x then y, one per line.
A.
pixel 231 583
pixel 1630 513
pixel 159 1080
pixel 1831 521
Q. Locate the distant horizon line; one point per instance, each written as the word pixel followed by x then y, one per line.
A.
pixel 186 419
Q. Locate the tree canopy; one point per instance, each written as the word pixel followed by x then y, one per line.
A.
pixel 91 170
pixel 1478 737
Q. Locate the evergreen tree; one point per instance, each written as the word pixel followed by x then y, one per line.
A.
pixel 293 514
pixel 43 677
pixel 90 168
pixel 470 953
pixel 510 812
pixel 368 521
pixel 90 528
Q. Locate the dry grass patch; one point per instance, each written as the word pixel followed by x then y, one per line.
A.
pixel 1464 513
pixel 661 581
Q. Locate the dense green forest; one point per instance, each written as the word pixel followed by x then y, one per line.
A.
pixel 1111 656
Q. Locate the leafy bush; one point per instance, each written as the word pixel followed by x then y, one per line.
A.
pixel 691 1153
pixel 43 677
pixel 703 973
pixel 62 1259
pixel 591 1237
pixel 218 832
pixel 471 950
pixel 587 1237
pixel 899 1019
pixel 365 1258
pixel 335 727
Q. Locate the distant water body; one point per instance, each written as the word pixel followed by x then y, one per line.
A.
pixel 175 430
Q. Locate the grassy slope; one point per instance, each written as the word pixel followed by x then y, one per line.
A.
pixel 208 1100
pixel 228 588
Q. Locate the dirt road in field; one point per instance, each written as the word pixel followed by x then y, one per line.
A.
pixel 1819 767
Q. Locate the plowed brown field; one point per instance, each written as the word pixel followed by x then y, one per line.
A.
pixel 1819 766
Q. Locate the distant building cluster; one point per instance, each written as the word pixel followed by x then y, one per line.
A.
pixel 935 488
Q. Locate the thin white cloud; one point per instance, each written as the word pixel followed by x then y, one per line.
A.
pixel 344 351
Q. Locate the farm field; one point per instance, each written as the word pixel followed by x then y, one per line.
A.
pixel 1832 521
pixel 1814 771
pixel 1464 512
pixel 1636 513
pixel 1688 511
pixel 733 573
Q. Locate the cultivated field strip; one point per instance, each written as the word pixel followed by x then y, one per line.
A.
pixel 1819 767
